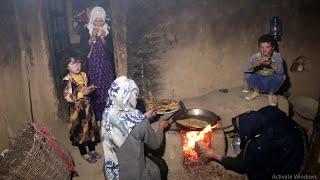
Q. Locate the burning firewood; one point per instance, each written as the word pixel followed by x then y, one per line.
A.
pixel 191 148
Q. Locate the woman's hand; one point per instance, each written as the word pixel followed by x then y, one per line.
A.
pixel 164 123
pixel 151 112
pixel 92 37
pixel 102 36
pixel 210 153
pixel 94 32
pixel 103 33
pixel 213 154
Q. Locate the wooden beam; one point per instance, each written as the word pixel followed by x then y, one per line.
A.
pixel 119 30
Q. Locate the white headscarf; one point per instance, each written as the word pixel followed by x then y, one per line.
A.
pixel 97 12
pixel 119 118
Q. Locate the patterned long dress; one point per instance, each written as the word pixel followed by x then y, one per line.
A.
pixel 83 123
pixel 100 74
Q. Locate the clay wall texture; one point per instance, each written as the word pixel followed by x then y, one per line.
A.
pixel 186 48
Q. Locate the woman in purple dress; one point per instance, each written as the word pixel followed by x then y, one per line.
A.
pixel 95 42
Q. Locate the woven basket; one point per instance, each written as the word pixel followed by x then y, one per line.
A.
pixel 33 158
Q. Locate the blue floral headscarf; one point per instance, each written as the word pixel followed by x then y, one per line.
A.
pixel 119 118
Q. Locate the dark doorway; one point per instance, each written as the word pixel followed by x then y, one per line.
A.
pixel 66 21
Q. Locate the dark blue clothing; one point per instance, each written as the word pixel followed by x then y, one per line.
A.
pixel 265 84
pixel 271 144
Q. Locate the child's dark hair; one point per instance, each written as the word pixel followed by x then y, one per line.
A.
pixel 66 59
pixel 68 55
pixel 267 38
pixel 74 54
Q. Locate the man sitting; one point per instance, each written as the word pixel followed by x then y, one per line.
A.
pixel 264 70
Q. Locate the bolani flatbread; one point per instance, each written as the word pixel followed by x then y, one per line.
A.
pixel 163 106
pixel 192 122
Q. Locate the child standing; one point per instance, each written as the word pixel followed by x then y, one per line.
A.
pixel 83 130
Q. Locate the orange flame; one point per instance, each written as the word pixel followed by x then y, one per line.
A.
pixel 189 140
pixel 194 136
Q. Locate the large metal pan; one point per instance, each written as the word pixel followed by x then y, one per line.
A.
pixel 200 114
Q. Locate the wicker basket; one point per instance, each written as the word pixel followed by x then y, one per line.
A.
pixel 34 156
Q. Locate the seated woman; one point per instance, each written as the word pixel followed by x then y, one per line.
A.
pixel 126 131
pixel 271 145
pixel 264 70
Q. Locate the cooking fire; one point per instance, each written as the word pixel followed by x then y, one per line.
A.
pixel 189 140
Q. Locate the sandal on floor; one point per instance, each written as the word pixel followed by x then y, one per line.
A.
pixel 95 155
pixel 252 96
pixel 245 90
pixel 90 159
pixel 273 100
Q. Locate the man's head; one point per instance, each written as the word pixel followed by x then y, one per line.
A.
pixel 266 44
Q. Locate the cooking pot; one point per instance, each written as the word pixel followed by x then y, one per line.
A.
pixel 199 114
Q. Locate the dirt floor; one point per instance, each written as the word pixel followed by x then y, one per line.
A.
pixel 89 171
pixel 85 170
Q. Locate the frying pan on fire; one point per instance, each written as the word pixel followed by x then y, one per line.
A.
pixel 207 117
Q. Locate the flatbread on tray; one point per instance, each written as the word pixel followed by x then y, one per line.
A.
pixel 164 106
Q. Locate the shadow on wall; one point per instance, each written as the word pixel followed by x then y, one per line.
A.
pixel 284 90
